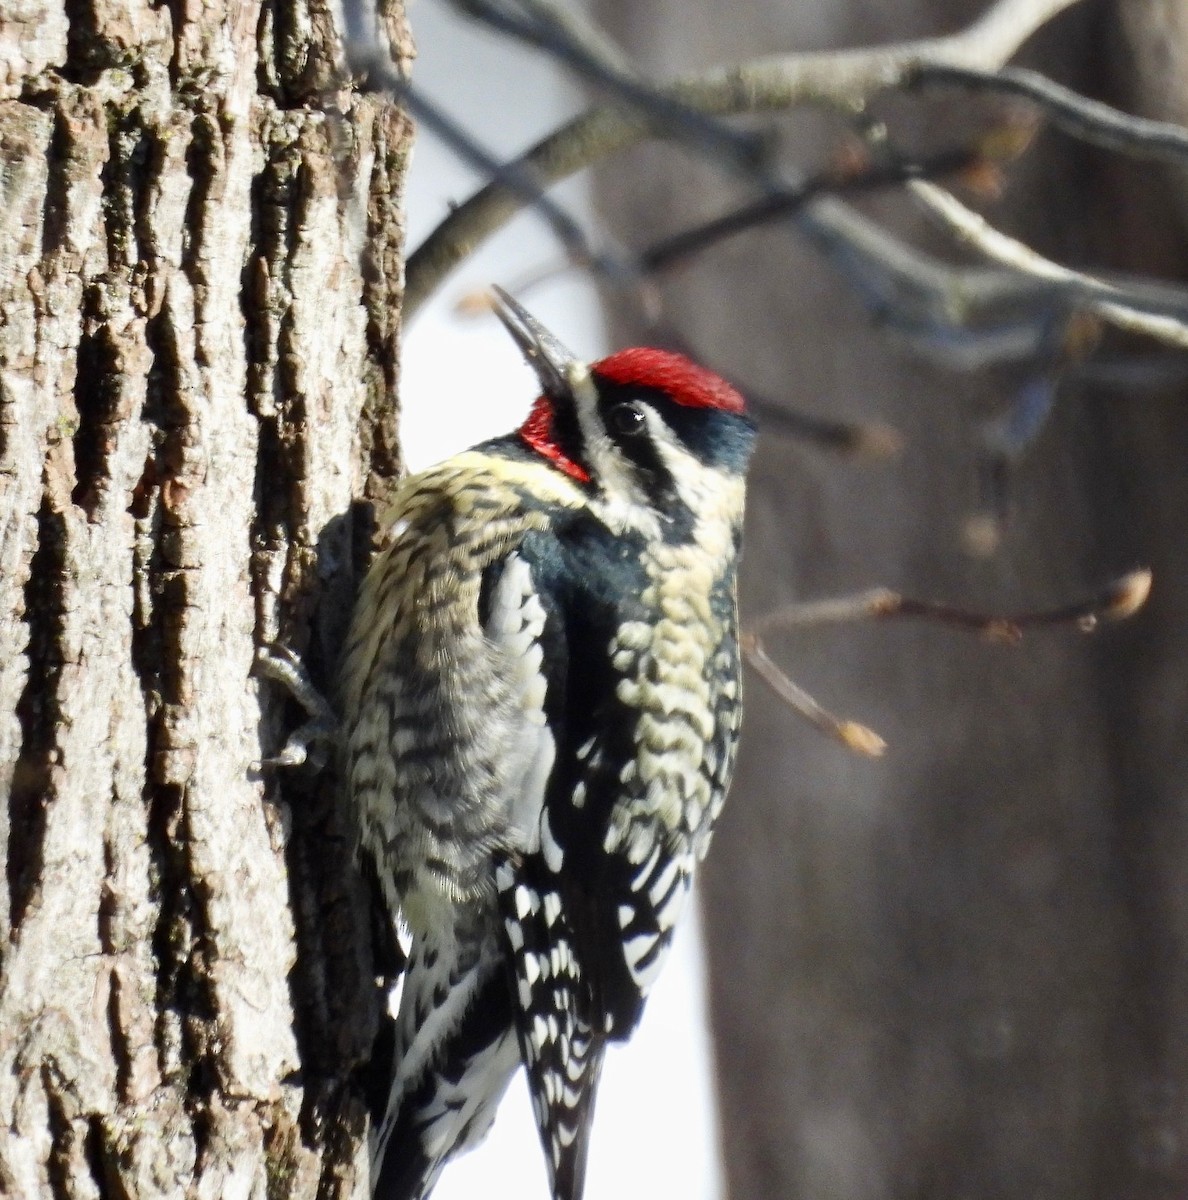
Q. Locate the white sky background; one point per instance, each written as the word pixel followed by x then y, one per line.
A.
pixel 463 381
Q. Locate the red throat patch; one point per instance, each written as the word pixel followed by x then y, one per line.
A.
pixel 676 376
pixel 537 432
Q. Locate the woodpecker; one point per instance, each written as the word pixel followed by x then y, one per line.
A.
pixel 541 692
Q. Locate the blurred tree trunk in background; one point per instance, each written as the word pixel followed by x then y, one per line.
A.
pixel 958 971
pixel 197 373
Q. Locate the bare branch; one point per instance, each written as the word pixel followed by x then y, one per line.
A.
pixel 1083 118
pixel 859 439
pixel 539 25
pixel 375 70
pixel 1116 305
pixel 964 317
pixel 852 734
pixel 781 204
pixel 847 79
pixel 843 78
pixel 1118 600
pixel 579 29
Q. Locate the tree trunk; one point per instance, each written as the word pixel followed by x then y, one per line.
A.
pixel 960 970
pixel 200 242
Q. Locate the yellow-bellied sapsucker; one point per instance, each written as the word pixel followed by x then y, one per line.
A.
pixel 541 694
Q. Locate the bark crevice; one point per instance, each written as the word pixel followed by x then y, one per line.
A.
pixel 38 712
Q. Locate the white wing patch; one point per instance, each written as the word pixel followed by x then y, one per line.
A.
pixel 554 856
pixel 515 624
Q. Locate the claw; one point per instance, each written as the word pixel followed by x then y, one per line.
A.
pixel 312 741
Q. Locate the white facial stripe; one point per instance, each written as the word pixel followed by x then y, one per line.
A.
pixel 712 492
pixel 625 503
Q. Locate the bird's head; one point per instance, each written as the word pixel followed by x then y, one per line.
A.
pixel 647 431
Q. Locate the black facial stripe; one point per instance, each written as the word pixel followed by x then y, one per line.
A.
pixel 568 433
pixel 718 439
pixel 715 438
pixel 637 447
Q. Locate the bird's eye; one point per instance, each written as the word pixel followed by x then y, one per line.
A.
pixel 627 418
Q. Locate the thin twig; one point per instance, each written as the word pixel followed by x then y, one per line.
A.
pixel 1077 115
pixel 1120 599
pixel 844 78
pixel 779 205
pixel 906 277
pixel 538 25
pixel 579 29
pixel 860 439
pixel 375 71
pixel 852 734
pixel 1122 307
pixel 961 317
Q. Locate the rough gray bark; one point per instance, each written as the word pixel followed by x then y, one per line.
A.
pixel 200 244
pixel 958 971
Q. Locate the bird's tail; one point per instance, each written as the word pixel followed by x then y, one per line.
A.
pixel 565 1108
pixel 456 1052
pixel 562 1052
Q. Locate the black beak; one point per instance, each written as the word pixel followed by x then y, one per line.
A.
pixel 554 364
